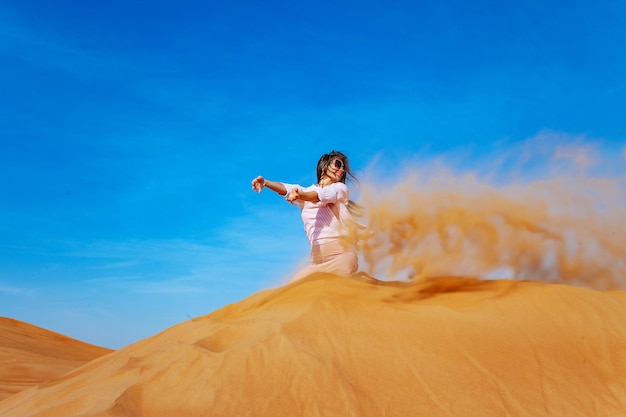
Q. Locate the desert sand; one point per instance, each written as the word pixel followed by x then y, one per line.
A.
pixel 331 346
pixel 30 355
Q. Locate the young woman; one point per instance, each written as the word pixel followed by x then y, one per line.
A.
pixel 325 213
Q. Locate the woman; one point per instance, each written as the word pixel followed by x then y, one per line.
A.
pixel 325 213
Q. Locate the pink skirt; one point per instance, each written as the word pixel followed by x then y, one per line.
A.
pixel 330 257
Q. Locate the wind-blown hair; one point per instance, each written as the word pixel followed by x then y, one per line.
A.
pixel 322 166
pixel 326 159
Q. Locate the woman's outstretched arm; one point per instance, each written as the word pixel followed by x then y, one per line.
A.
pixel 297 194
pixel 327 195
pixel 259 183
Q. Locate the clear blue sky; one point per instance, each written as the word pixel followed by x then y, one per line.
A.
pixel 130 131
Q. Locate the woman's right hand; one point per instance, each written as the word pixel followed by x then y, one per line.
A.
pixel 258 183
pixel 293 195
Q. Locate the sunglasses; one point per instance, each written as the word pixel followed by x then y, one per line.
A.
pixel 338 163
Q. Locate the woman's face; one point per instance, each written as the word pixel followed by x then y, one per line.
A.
pixel 336 170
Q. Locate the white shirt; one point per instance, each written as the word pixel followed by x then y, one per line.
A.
pixel 322 220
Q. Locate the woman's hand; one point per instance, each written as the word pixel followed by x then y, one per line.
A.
pixel 293 195
pixel 258 183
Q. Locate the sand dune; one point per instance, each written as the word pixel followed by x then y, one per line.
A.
pixel 30 355
pixel 330 346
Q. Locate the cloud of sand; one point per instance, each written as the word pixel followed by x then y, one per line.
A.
pixel 546 212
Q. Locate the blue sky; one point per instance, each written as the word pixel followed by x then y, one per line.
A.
pixel 130 132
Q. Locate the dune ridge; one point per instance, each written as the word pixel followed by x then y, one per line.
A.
pixel 30 355
pixel 331 346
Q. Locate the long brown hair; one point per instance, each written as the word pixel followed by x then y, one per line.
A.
pixel 327 158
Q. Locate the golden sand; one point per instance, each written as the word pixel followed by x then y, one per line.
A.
pixel 30 355
pixel 330 346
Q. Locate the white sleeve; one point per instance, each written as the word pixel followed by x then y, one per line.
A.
pixel 337 192
pixel 290 187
